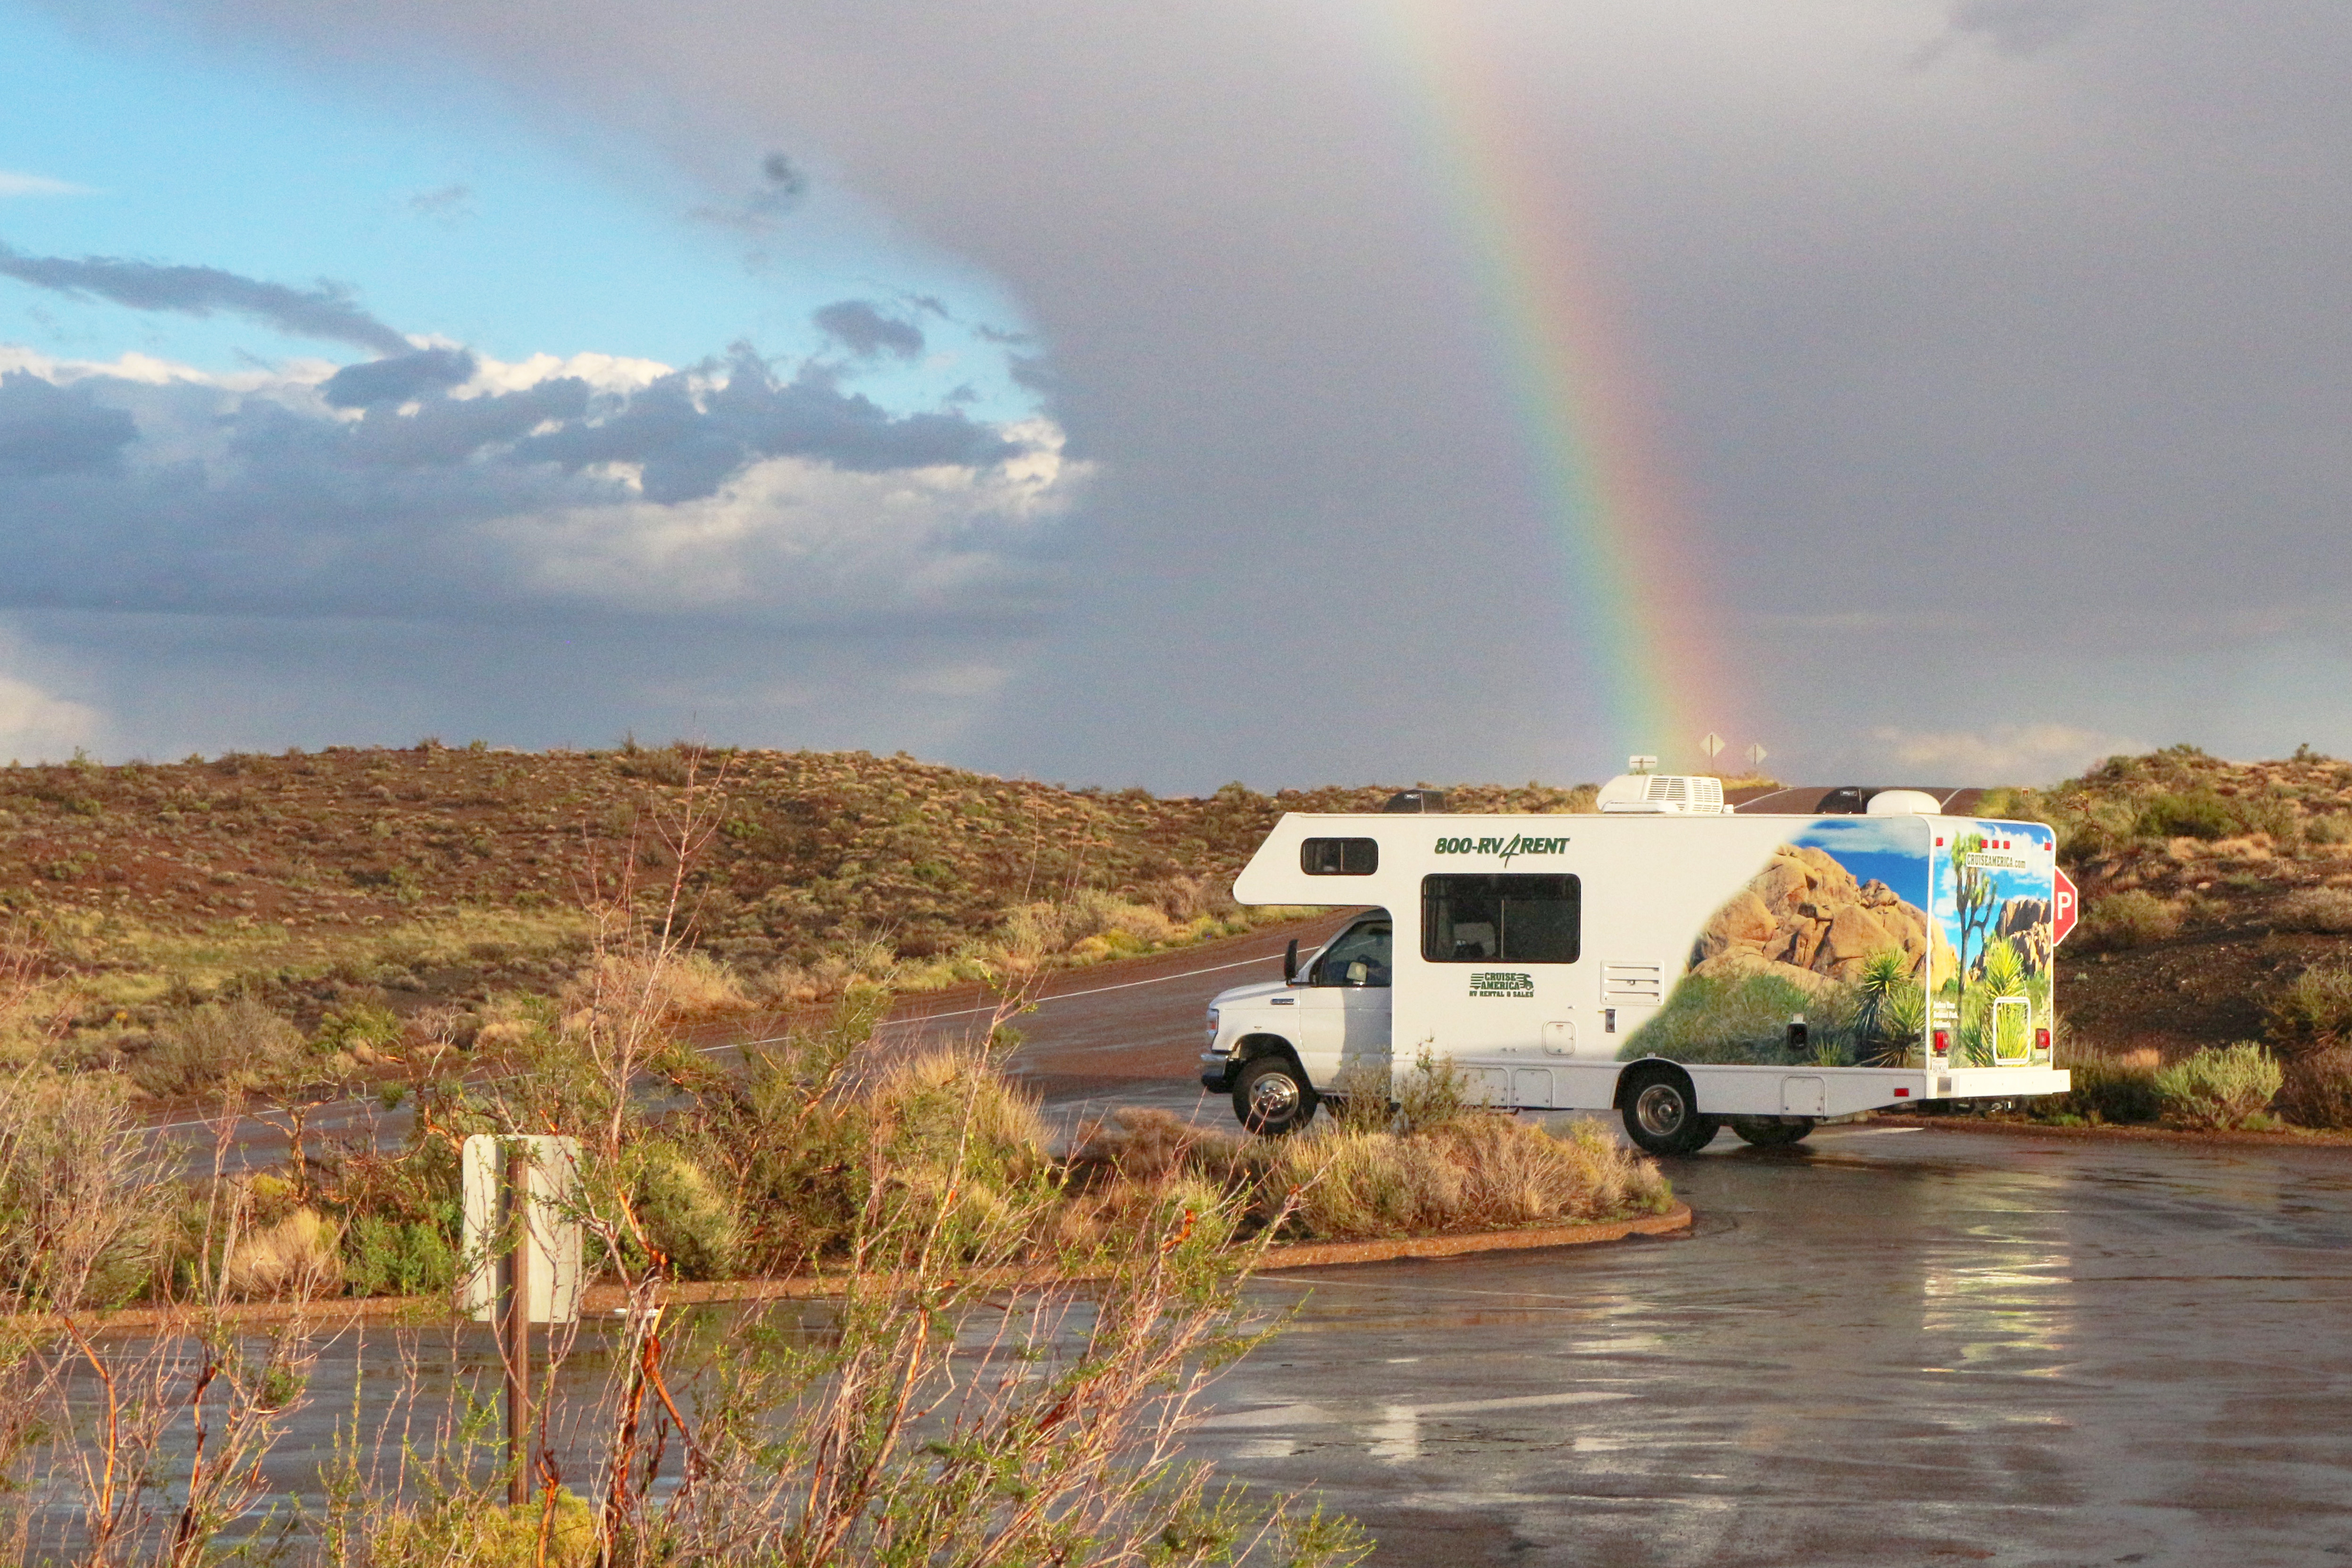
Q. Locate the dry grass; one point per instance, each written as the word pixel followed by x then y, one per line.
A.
pixel 1473 1173
pixel 298 1259
pixel 2321 909
pixel 2130 919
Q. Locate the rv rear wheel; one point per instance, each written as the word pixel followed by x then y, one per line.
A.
pixel 1273 1097
pixel 1661 1116
pixel 1772 1132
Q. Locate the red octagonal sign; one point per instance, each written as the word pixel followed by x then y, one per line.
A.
pixel 2066 904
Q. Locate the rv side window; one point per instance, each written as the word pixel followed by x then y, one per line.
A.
pixel 1339 857
pixel 1487 918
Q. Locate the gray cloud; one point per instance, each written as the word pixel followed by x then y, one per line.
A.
pixel 327 311
pixel 398 378
pixel 760 210
pixel 864 331
pixel 2023 28
pixel 190 497
pixel 47 430
pixel 690 439
pixel 450 205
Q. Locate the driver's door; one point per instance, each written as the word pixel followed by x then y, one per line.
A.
pixel 1344 1007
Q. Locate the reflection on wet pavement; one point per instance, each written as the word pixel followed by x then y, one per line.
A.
pixel 1886 1348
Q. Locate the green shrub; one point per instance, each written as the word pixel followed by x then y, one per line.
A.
pixel 2187 814
pixel 356 1024
pixel 387 1256
pixel 470 1529
pixel 2109 1089
pixel 2328 828
pixel 2219 1087
pixel 2201 813
pixel 687 1218
pixel 2314 1011
pixel 2130 919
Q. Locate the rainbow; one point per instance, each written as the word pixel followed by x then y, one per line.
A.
pixel 1635 577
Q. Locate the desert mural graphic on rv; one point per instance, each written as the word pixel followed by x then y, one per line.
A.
pixel 1904 942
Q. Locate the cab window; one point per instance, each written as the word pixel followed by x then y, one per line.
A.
pixel 1339 857
pixel 1358 956
pixel 1486 918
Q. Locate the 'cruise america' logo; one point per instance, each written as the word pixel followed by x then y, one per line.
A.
pixel 1517 844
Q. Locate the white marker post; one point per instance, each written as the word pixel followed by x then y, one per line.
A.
pixel 523 1251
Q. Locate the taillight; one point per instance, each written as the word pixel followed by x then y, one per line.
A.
pixel 2041 1040
pixel 1943 1043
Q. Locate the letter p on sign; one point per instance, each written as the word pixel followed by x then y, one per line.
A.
pixel 2064 906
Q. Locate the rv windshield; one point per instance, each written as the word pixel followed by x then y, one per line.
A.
pixel 1358 956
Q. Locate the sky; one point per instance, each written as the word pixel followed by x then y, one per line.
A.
pixel 1289 391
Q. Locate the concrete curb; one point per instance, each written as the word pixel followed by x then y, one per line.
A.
pixel 1325 1254
pixel 424 1312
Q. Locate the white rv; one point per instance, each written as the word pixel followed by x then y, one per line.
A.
pixel 1668 958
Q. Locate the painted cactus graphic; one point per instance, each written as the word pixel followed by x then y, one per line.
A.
pixel 1833 932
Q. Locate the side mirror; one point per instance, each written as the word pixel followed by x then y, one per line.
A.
pixel 1290 963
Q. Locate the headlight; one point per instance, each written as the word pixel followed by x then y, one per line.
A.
pixel 1212 1028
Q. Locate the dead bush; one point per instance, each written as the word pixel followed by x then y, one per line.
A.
pixel 2317 1091
pixel 234 1047
pixel 82 1200
pixel 1150 1146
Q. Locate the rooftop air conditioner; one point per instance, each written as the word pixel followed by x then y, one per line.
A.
pixel 1663 795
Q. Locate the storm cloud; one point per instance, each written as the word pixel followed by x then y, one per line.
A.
pixel 327 311
pixel 1991 353
pixel 47 430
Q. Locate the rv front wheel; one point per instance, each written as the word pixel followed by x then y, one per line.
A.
pixel 1273 1097
pixel 1660 1116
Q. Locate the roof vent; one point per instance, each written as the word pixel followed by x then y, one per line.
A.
pixel 1902 803
pixel 1663 795
pixel 1416 800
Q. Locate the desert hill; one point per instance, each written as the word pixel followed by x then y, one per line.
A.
pixel 435 874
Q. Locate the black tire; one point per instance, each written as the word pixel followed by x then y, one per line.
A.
pixel 1662 1113
pixel 1772 1132
pixel 1272 1097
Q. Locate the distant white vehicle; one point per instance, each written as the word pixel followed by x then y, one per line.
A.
pixel 1667 958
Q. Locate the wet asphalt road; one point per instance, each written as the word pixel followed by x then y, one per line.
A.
pixel 1885 1346
pixel 1893 1346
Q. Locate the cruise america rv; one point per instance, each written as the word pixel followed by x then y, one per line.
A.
pixel 1684 965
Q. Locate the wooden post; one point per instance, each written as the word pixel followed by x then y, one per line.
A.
pixel 514 1201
